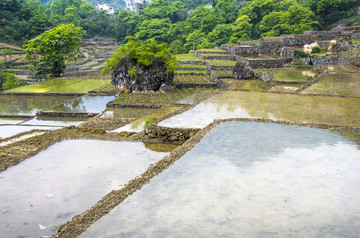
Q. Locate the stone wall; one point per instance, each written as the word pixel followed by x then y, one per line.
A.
pixel 169 134
pixel 330 60
pixel 263 63
pixel 217 57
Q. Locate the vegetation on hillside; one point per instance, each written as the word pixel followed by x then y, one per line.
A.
pixel 182 24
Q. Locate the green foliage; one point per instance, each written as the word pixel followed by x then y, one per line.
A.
pixel 300 54
pixel 316 50
pixel 142 55
pixel 133 71
pixel 241 29
pixel 48 52
pixel 356 42
pixel 11 81
pixel 149 121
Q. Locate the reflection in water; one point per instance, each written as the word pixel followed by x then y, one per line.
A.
pixel 138 125
pixel 28 105
pixel 127 113
pixel 65 180
pixel 84 104
pixel 11 121
pixel 203 114
pixel 54 121
pixel 7 131
pixel 284 107
pixel 248 179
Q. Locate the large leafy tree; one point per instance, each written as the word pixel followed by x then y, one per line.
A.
pixel 48 52
pixel 294 21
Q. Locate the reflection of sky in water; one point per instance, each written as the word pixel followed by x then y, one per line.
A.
pixel 203 114
pixel 65 180
pixel 7 131
pixel 91 104
pixel 56 121
pixel 248 179
pixel 11 121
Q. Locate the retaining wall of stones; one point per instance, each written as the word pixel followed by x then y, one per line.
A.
pixel 217 57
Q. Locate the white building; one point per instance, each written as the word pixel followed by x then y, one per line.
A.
pixel 105 7
pixel 130 4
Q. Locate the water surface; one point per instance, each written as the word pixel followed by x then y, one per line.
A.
pixel 281 107
pixel 11 130
pixel 65 180
pixel 84 104
pixel 28 105
pixel 138 125
pixel 248 179
pixel 54 121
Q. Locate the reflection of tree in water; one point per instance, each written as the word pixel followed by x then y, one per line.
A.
pixel 28 105
pixel 77 104
pixel 350 135
pixel 295 108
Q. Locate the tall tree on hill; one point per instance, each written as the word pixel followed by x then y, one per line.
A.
pixel 48 52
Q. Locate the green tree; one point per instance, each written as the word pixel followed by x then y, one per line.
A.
pixel 142 55
pixel 154 29
pixel 294 21
pixel 48 52
pixel 241 29
pixel 221 34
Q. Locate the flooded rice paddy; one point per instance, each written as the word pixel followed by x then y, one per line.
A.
pixel 68 178
pixel 279 107
pixel 293 75
pixel 127 113
pixel 53 121
pixel 28 105
pixel 337 85
pixel 246 179
pixel 11 130
pixel 84 104
pixel 11 121
pixel 138 125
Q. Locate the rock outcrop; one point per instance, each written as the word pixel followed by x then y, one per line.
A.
pixel 152 78
pixel 242 71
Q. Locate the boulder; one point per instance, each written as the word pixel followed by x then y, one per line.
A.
pixel 242 71
pixel 152 78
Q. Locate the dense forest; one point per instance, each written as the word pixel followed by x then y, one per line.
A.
pixel 180 23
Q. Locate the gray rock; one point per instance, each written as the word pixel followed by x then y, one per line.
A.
pixel 242 71
pixel 151 78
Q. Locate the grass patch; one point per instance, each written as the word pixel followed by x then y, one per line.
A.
pixel 187 57
pixel 222 62
pixel 293 75
pixel 152 98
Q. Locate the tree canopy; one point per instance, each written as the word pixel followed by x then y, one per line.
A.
pixel 142 54
pixel 48 52
pixel 180 23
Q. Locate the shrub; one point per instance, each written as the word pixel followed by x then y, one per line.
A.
pixel 316 50
pixel 300 54
pixel 142 55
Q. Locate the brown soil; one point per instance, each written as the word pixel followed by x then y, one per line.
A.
pixel 107 124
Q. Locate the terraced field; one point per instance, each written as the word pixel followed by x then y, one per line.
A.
pixel 61 86
pixel 140 99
